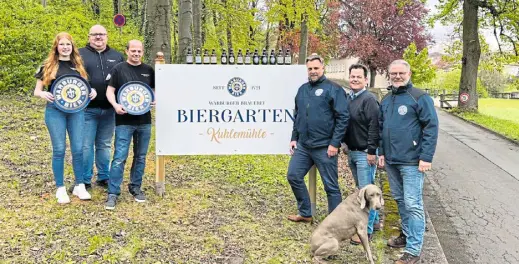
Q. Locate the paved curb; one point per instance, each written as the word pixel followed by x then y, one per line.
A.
pixel 482 127
pixel 432 251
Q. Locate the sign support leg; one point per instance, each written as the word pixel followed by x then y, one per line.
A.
pixel 312 188
pixel 160 176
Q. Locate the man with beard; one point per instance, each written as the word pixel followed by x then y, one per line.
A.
pixel 99 126
pixel 409 127
pixel 321 117
pixel 128 126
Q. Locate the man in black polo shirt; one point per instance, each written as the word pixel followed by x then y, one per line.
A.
pixel 128 126
pixel 362 136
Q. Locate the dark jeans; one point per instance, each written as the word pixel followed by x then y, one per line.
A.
pixel 300 163
pixel 141 135
pixel 98 131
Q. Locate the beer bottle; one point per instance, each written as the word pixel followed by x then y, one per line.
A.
pixel 280 57
pixel 207 59
pixel 213 57
pixel 223 58
pixel 189 56
pixel 239 60
pixel 247 57
pixel 231 56
pixel 272 58
pixel 198 57
pixel 255 58
pixel 288 57
pixel 264 57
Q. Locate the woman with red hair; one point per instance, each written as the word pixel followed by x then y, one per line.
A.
pixel 63 59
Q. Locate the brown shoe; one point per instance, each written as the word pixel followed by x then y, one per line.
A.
pixel 355 239
pixel 298 218
pixel 408 259
pixel 397 242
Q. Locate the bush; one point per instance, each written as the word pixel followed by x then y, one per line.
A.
pixel 29 28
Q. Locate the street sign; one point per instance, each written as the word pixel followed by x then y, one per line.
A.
pixel 119 20
pixel 464 98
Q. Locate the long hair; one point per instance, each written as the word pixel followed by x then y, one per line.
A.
pixel 50 66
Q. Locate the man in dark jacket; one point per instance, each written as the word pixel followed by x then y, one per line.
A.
pixel 409 127
pixel 321 117
pixel 99 59
pixel 362 136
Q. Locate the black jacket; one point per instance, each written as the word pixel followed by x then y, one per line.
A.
pixel 363 129
pixel 321 114
pixel 98 65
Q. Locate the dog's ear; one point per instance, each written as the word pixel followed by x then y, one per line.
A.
pixel 362 198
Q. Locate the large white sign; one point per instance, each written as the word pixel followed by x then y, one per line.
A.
pixel 225 109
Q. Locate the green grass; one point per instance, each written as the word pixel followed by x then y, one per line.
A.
pixel 216 208
pixel 498 115
pixel 507 109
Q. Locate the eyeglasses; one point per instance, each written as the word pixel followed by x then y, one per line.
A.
pixel 97 34
pixel 394 74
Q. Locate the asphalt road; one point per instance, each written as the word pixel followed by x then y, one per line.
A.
pixel 472 194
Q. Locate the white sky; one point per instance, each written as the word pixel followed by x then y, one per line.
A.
pixel 441 34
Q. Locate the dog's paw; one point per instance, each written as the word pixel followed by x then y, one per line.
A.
pixel 318 260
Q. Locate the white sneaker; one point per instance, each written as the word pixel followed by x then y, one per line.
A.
pixel 81 192
pixel 62 195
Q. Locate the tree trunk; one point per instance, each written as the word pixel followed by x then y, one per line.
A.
pixel 267 37
pixel 303 46
pixel 157 36
pixel 215 21
pixel 144 19
pixel 197 23
pixel 134 9
pixel 44 3
pixel 372 76
pixel 470 60
pixel 116 7
pixel 185 21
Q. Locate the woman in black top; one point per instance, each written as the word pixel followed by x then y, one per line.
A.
pixel 63 59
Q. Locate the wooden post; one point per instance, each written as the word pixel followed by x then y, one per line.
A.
pixel 160 171
pixel 312 186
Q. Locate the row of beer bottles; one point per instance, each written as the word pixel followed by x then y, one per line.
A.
pixel 247 58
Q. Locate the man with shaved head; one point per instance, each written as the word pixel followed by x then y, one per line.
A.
pixel 129 126
pixel 99 59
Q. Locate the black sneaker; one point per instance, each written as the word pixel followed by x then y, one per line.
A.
pixel 397 242
pixel 111 202
pixel 408 259
pixel 139 196
pixel 102 184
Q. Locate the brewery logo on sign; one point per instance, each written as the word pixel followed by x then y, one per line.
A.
pixel 71 93
pixel 135 97
pixel 402 110
pixel 237 87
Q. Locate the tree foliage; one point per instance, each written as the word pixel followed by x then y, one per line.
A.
pixel 421 65
pixel 29 28
pixel 378 31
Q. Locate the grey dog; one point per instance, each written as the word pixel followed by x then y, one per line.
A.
pixel 350 217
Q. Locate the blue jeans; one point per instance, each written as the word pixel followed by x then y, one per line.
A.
pixel 363 174
pixel 407 189
pixel 300 163
pixel 59 123
pixel 98 131
pixel 123 136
